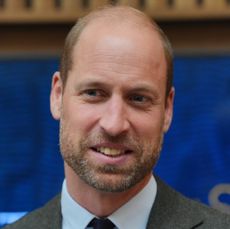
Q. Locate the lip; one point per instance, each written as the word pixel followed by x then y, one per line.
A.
pixel 112 146
pixel 107 159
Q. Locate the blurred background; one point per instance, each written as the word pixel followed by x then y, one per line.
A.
pixel 196 154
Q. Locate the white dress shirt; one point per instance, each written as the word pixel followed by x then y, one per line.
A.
pixel 134 214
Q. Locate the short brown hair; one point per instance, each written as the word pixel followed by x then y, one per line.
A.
pixel 109 12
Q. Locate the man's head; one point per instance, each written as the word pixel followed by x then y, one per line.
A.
pixel 112 103
pixel 114 15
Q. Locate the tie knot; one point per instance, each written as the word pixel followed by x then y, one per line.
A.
pixel 101 224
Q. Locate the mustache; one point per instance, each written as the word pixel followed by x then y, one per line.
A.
pixel 102 137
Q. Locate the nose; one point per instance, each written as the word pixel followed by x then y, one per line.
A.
pixel 114 120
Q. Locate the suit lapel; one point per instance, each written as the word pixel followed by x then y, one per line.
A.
pixel 57 217
pixel 171 210
pixel 51 214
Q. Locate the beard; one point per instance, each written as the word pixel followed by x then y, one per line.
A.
pixel 109 177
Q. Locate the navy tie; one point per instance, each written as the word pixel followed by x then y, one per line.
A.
pixel 101 224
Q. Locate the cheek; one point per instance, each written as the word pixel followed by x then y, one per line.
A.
pixel 79 117
pixel 149 126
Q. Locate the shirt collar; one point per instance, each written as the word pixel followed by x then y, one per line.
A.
pixel 136 210
pixel 74 215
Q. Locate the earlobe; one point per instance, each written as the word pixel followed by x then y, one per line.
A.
pixel 56 96
pixel 169 110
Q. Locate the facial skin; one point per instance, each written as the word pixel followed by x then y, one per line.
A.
pixel 113 112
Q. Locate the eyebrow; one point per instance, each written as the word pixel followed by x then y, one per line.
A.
pixel 141 87
pixel 90 83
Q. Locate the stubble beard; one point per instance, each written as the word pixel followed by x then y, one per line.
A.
pixel 109 178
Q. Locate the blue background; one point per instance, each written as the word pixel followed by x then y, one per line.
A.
pixel 196 153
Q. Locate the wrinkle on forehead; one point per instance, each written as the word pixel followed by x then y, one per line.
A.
pixel 99 38
pixel 131 24
pixel 133 65
pixel 119 49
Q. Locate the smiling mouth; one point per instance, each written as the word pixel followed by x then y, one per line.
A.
pixel 111 152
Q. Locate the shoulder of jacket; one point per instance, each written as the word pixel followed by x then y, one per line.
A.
pixel 173 209
pixel 40 218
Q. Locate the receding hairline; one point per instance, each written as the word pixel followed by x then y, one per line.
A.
pixel 118 15
pixel 114 15
pixel 114 22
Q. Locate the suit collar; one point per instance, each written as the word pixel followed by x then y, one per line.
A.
pixel 172 210
pixel 52 211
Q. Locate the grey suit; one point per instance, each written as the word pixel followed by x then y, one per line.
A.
pixel 171 210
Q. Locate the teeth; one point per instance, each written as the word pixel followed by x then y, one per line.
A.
pixel 109 151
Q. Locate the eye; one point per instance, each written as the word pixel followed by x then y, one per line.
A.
pixel 140 101
pixel 93 95
pixel 92 92
pixel 138 98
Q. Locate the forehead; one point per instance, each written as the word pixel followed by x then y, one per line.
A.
pixel 119 39
pixel 121 48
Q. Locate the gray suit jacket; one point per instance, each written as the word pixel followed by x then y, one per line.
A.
pixel 171 210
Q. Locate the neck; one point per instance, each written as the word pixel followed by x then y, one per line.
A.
pixel 99 203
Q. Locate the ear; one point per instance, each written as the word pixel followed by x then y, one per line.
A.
pixel 56 96
pixel 169 109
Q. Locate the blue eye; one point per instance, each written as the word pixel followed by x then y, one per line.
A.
pixel 139 101
pixel 138 98
pixel 93 95
pixel 92 92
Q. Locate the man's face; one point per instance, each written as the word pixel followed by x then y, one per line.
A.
pixel 113 111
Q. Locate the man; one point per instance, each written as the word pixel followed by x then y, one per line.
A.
pixel 114 99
